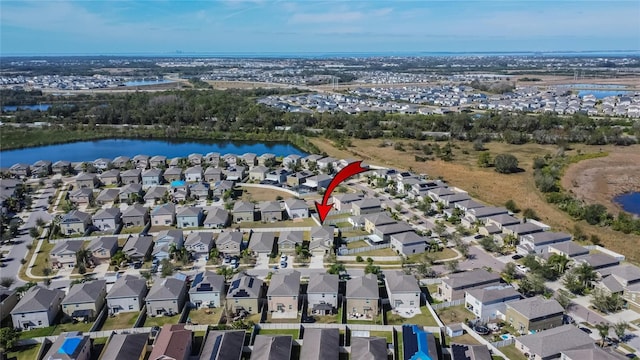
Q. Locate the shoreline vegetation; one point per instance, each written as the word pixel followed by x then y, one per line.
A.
pixel 15 138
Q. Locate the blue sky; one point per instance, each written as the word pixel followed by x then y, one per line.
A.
pixel 310 26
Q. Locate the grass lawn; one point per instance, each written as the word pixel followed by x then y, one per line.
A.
pixel 132 230
pixel 42 259
pixel 327 319
pixel 161 320
pixel 47 331
pixel 80 326
pixel 352 233
pixel 383 334
pixel 432 289
pixel 378 252
pixel 462 339
pixel 308 222
pixel 295 333
pixel 424 319
pixel 282 321
pixel 357 244
pixel 259 194
pixel 445 254
pixel 24 352
pixel 344 224
pixel 375 321
pixel 454 314
pixel 254 317
pixel 400 348
pixel 201 317
pixel 512 353
pixel 23 268
pixel 123 320
pixel 338 216
pixel 160 228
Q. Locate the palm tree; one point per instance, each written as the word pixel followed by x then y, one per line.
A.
pixel 603 331
pixel 620 328
pixel 6 282
pixel 83 259
pixel 558 262
pixel 586 274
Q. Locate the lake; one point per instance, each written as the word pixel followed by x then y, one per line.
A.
pixel 601 94
pixel 146 82
pixel 111 148
pixel 630 202
pixel 39 107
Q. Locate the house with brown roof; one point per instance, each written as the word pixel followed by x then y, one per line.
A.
pixel 173 343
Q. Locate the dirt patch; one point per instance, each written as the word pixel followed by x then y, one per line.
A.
pixel 600 180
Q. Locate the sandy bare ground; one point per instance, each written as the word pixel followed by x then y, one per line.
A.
pixel 599 180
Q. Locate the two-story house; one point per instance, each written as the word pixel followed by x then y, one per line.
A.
pixel 163 215
pixel 244 294
pixel 108 219
pixel 288 240
pixel 217 218
pixel 103 248
pixel 455 285
pixel 490 302
pixel 63 253
pixel 229 243
pixel 38 308
pixel 199 243
pixel 403 291
pixel 166 296
pixel 207 290
pixel 283 295
pixel 75 222
pixel 164 241
pixel 243 211
pixel 189 217
pixel 363 298
pixel 135 215
pixel 85 300
pixel 296 209
pixel 127 295
pixel 322 294
pixel 535 313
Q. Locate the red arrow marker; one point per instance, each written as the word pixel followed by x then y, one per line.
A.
pixel 352 169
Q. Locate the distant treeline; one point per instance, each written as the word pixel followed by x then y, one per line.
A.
pixel 237 111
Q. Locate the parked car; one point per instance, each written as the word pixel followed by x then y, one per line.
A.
pixel 586 330
pixel 283 264
pixel 516 257
pixel 308 319
pixel 283 257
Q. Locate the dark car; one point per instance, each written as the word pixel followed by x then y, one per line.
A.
pixel 587 330
pixel 631 356
pixel 516 257
pixel 308 319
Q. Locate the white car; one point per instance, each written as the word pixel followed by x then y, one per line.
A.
pixel 283 257
pixel 522 268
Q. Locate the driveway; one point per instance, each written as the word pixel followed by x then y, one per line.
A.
pixel 262 262
pixel 317 262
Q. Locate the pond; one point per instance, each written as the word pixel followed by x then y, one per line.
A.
pixel 111 148
pixel 39 107
pixel 601 94
pixel 630 202
pixel 146 82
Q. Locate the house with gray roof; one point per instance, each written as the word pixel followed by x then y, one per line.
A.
pixel 158 161
pixel 123 346
pixel 212 158
pixel 291 160
pixel 155 194
pixel 369 348
pixel 107 196
pixel 371 221
pixel 163 215
pixel 519 230
pixel 283 296
pixel 207 290
pixel 166 296
pixel 243 211
pixel 270 211
pixel 81 196
pixel 383 233
pixel 501 220
pixel 110 177
pixel 193 174
pixel 322 294
pixel 403 291
pixel 217 218
pixel 213 175
pixel 141 161
pixel 195 159
pixel 151 177
pixel 598 261
pixel 121 161
pixel 296 208
pixel 172 174
pixel 321 344
pixel 551 343
pixel 63 253
pixel 244 294
pixel 262 242
pixel 199 190
pixel 199 243
pixel 130 192
pixel 85 300
pixel 569 249
pixel 408 243
pixel 75 222
pixel 316 182
pixel 594 353
pixel 138 248
pixel 132 176
pixel 343 202
pixel 62 166
pixel 164 241
pixel 266 159
pixel 229 243
pixel 534 313
pixel 127 295
pixel 108 219
pixel 38 308
pixel 8 300
pixel 453 287
pixel 272 347
pixel 484 212
pixel 258 173
pixel 86 180
pixel 288 240
pixel 490 302
pixel 103 248
pixel 363 298
pixel 135 215
pixel 366 206
pixel 189 217
pixel 538 242
pixel 223 345
pixel 470 352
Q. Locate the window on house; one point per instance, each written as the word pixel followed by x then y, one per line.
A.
pixel 130 307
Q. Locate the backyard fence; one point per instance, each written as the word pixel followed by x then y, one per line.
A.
pixel 447 304
pixel 359 250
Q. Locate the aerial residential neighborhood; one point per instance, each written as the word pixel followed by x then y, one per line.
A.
pixel 397 248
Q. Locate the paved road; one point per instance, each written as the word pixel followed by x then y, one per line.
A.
pixel 19 248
